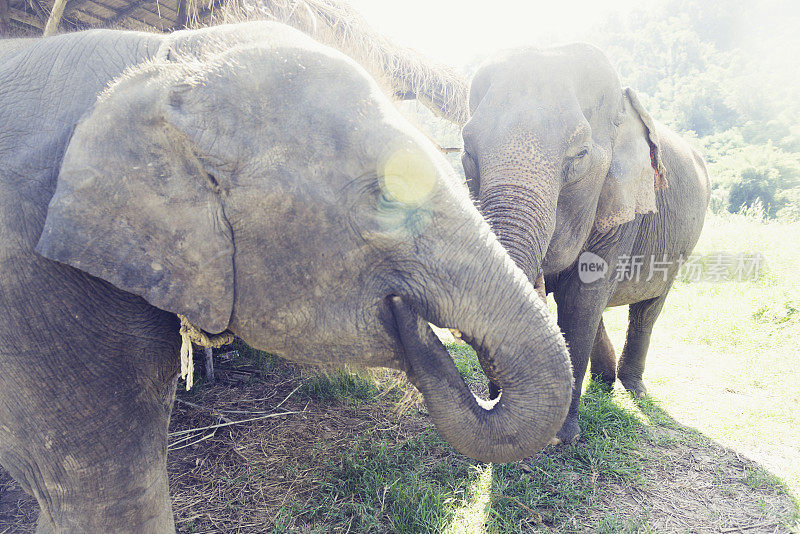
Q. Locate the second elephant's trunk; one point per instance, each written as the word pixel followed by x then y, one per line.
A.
pixel 523 221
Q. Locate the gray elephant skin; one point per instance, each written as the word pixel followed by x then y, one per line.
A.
pixel 252 180
pixel 571 171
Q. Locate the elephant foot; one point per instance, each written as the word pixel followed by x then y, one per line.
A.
pixel 634 386
pixel 570 431
pixel 604 361
pixel 604 375
pixel 605 383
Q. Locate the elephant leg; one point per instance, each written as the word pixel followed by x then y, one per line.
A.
pixel 604 361
pixel 121 485
pixel 85 431
pixel 579 316
pixel 112 478
pixel 580 312
pixel 641 318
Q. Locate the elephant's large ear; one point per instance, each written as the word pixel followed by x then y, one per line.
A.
pixel 636 170
pixel 134 206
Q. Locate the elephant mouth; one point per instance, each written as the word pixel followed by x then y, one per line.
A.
pixel 417 340
pixel 401 320
pixel 423 351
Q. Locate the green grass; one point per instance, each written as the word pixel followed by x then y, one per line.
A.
pixel 559 484
pixel 415 484
pixel 724 356
pixel 612 524
pixel 723 377
pixel 466 363
pixel 340 384
pixel 412 486
pixel 422 485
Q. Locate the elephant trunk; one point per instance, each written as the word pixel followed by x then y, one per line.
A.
pixel 498 310
pixel 523 220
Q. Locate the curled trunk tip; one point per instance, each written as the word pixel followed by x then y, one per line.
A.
pixel 536 391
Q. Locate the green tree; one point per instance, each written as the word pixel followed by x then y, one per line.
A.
pixel 755 184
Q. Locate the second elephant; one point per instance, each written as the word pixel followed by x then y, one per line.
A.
pixel 572 172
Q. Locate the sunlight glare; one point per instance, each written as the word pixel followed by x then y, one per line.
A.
pixel 408 176
pixel 471 518
pixel 456 32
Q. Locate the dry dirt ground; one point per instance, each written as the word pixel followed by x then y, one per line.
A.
pixel 242 478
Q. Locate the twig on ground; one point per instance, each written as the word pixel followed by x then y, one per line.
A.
pixel 287 397
pixel 749 527
pixel 531 512
pixel 172 446
pixel 248 412
pixel 220 425
pixel 206 408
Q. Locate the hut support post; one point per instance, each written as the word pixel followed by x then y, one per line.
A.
pixel 55 18
pixel 183 15
pixel 3 17
pixel 209 364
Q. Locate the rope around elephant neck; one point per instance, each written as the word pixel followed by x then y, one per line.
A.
pixel 191 334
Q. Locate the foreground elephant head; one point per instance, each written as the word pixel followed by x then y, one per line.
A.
pixel 272 190
pixel 556 149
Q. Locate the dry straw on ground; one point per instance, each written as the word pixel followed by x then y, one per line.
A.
pixel 251 457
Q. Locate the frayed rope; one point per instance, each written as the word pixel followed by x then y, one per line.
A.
pixel 191 334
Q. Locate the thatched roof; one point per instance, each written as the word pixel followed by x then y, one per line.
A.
pixel 30 17
pixel 336 24
pixel 333 22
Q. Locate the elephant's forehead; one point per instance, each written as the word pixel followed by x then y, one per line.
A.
pixel 556 77
pixel 521 152
pixel 559 62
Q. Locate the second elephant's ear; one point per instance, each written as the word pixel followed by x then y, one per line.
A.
pixel 636 170
pixel 134 206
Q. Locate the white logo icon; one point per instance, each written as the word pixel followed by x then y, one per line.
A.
pixel 591 267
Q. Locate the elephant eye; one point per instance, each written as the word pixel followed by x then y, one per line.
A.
pixel 388 201
pixel 579 164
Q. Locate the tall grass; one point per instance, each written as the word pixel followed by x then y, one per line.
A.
pixel 724 355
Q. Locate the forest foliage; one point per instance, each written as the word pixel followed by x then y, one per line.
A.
pixel 725 75
pixel 722 74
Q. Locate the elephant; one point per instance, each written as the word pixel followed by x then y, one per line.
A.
pixel 251 180
pixel 11 44
pixel 587 193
